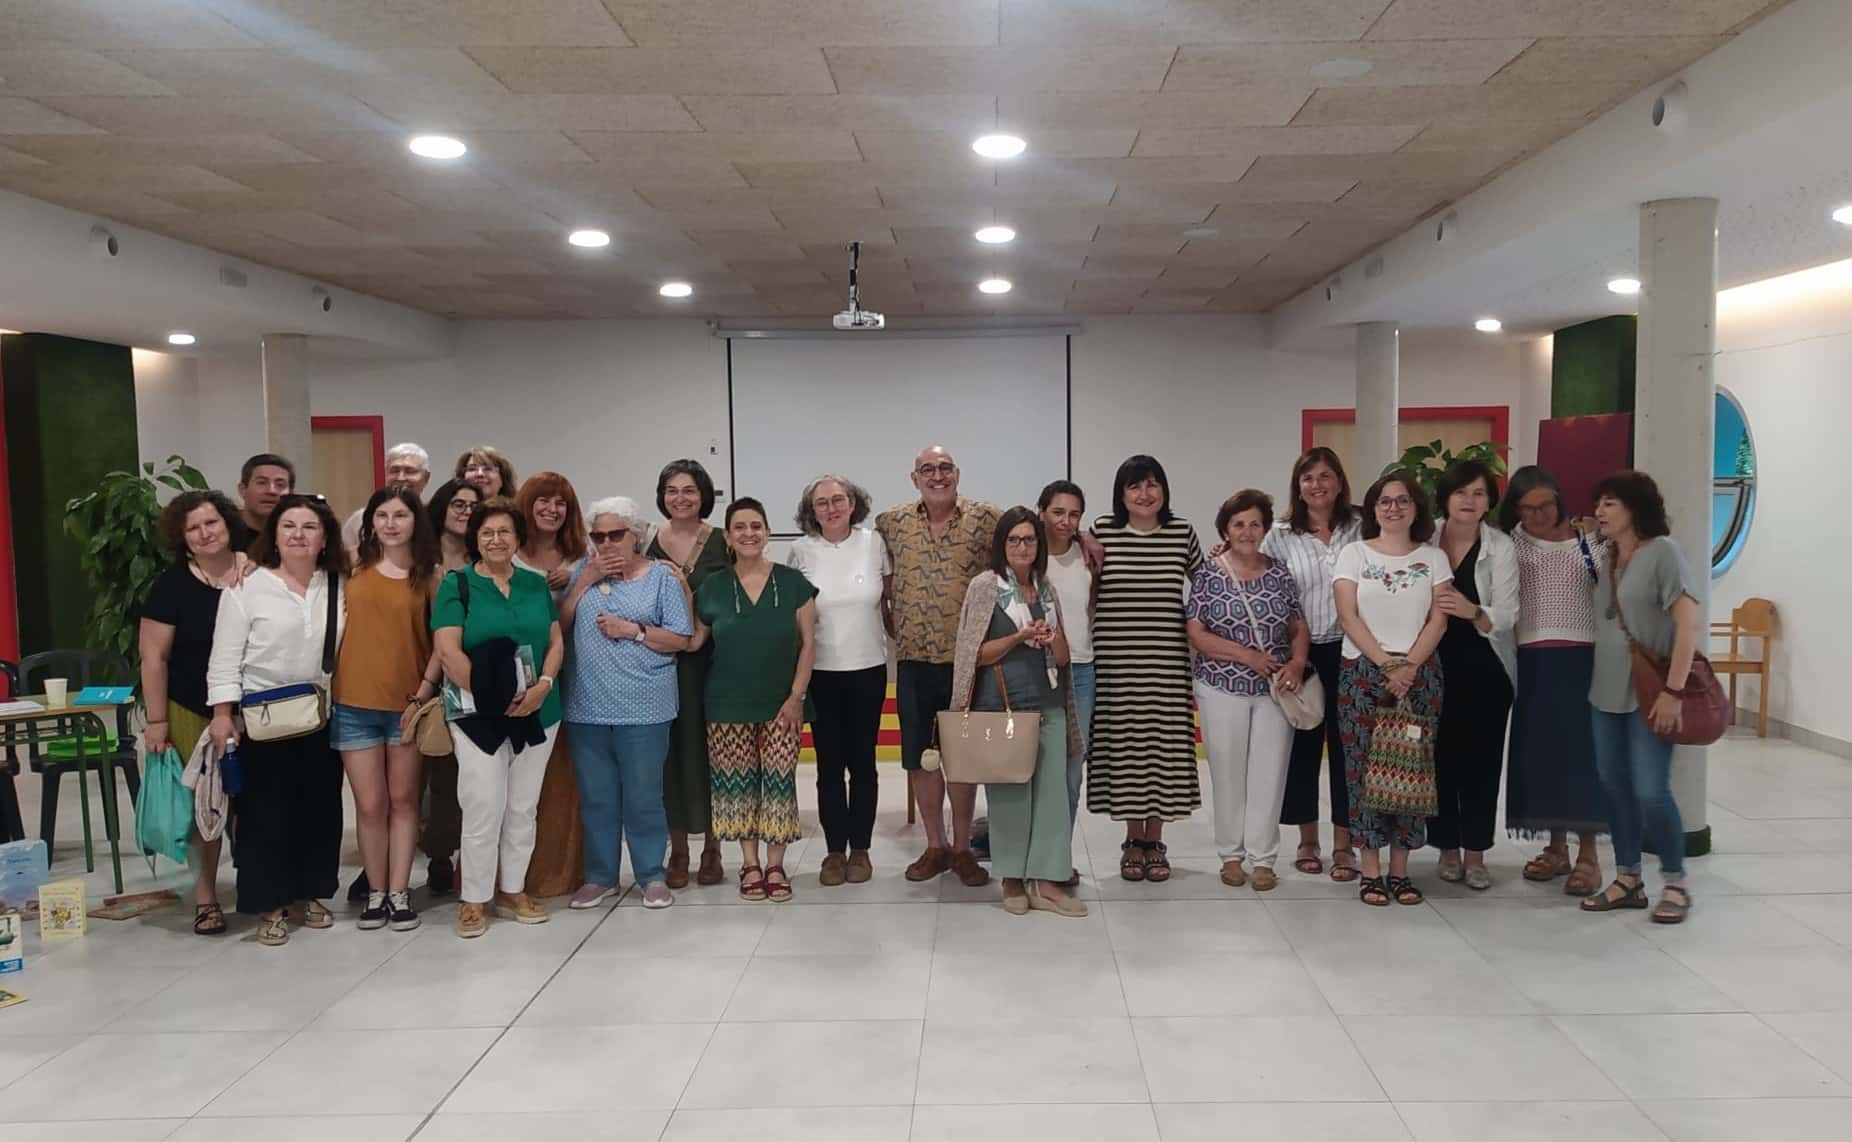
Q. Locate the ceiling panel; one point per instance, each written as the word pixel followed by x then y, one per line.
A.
pixel 1183 155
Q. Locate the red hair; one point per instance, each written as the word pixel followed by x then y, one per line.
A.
pixel 542 485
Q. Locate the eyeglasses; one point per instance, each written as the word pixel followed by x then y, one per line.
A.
pixel 946 468
pixel 838 501
pixel 599 538
pixel 478 467
pixel 495 533
pixel 461 507
pixel 1395 503
pixel 1019 541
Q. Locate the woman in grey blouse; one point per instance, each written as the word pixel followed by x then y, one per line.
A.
pixel 1647 583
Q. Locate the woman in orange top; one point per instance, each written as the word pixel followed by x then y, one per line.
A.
pixel 385 668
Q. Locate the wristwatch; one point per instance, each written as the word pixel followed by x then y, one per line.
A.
pixel 638 637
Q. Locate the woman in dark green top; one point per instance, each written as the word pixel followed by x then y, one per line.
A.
pixel 685 497
pixel 762 619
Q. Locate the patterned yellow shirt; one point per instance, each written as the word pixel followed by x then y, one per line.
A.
pixel 930 575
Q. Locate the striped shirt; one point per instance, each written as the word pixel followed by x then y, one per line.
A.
pixel 1310 560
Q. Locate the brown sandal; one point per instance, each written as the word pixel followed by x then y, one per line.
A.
pixel 677 876
pixel 1548 865
pixel 208 920
pixel 777 891
pixel 1632 896
pixel 1132 860
pixel 1668 910
pixel 1307 861
pixel 1584 880
pixel 1157 864
pixel 1341 872
pixel 752 882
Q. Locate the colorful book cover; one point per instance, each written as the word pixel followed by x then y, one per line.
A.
pixel 12 943
pixel 61 910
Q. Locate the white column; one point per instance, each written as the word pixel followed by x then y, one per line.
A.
pixel 1378 401
pixel 1674 415
pixel 286 403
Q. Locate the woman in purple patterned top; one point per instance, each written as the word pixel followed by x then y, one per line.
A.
pixel 1245 625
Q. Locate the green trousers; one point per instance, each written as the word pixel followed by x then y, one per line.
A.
pixel 1030 833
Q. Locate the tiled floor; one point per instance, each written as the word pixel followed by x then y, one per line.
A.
pixel 891 1011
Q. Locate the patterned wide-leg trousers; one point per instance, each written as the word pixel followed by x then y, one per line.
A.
pixel 753 776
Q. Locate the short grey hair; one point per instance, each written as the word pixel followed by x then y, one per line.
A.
pixel 623 507
pixel 861 503
pixel 411 451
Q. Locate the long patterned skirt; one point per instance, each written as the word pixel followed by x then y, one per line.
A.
pixel 1360 690
pixel 754 769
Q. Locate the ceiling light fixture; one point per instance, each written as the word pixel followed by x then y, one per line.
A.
pixel 999 146
pixel 1843 215
pixel 438 147
pixel 995 235
pixel 589 239
pixel 1626 287
pixel 179 338
pixel 994 285
pixel 1488 325
pixel 675 289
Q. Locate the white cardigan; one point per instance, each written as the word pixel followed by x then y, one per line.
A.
pixel 1496 577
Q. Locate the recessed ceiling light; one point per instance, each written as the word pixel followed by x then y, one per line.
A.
pixel 1843 215
pixel 675 289
pixel 590 239
pixel 1342 68
pixel 996 235
pixel 999 146
pixel 438 147
pixel 994 285
pixel 1195 232
pixel 1624 285
pixel 179 338
pixel 1488 325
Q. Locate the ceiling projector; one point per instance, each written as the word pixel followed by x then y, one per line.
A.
pixel 855 317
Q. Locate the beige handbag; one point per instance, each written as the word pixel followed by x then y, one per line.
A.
pixel 981 747
pixel 430 733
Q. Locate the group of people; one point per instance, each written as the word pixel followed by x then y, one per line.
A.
pixel 682 664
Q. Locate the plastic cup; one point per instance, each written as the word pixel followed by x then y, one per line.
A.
pixel 57 693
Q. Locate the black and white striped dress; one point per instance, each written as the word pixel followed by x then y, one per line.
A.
pixel 1141 759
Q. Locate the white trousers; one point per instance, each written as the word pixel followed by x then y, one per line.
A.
pixel 499 793
pixel 1249 743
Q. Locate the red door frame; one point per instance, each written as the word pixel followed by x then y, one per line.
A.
pixel 374 424
pixel 1498 414
pixel 9 595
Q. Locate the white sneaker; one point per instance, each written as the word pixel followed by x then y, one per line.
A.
pixel 656 894
pixel 591 895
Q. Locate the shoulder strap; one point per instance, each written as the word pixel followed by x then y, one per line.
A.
pixel 1614 594
pixel 1227 567
pixel 1588 559
pixel 334 618
pixel 462 574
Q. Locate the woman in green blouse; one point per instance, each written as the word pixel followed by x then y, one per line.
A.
pixel 695 549
pixel 762 619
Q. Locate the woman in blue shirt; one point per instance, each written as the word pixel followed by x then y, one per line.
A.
pixel 628 618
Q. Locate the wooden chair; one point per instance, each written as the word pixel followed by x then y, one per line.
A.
pixel 1755 618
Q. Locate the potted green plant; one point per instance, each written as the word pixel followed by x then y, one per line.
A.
pixel 118 528
pixel 1427 461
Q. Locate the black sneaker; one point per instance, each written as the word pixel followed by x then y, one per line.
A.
pixel 403 918
pixel 440 877
pixel 359 889
pixel 374 914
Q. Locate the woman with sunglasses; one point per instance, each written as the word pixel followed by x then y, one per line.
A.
pixel 1386 586
pixel 629 618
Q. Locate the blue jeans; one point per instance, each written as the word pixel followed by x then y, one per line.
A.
pixel 620 794
pixel 1636 772
pixel 1083 709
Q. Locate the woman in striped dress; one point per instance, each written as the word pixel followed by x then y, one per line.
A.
pixel 1141 765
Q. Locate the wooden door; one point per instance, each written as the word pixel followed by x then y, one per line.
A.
pixel 1453 432
pixel 344 467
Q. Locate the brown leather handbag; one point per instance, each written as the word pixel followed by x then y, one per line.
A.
pixel 1704 711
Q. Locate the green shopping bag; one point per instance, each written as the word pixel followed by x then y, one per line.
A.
pixel 164 811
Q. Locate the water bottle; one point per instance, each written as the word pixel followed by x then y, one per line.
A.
pixel 231 770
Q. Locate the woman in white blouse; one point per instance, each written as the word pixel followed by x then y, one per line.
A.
pixel 273 631
pixel 1320 523
pixel 1387 587
pixel 1480 658
pixel 847 564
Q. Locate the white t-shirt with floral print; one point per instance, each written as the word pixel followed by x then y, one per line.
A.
pixel 1394 592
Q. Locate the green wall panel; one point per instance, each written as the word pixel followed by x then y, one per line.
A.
pixel 1592 367
pixel 70 418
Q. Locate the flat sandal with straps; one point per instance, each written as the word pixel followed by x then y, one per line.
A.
pixel 752 882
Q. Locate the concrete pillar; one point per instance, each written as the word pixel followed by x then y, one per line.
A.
pixel 1378 401
pixel 286 403
pixel 1674 416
